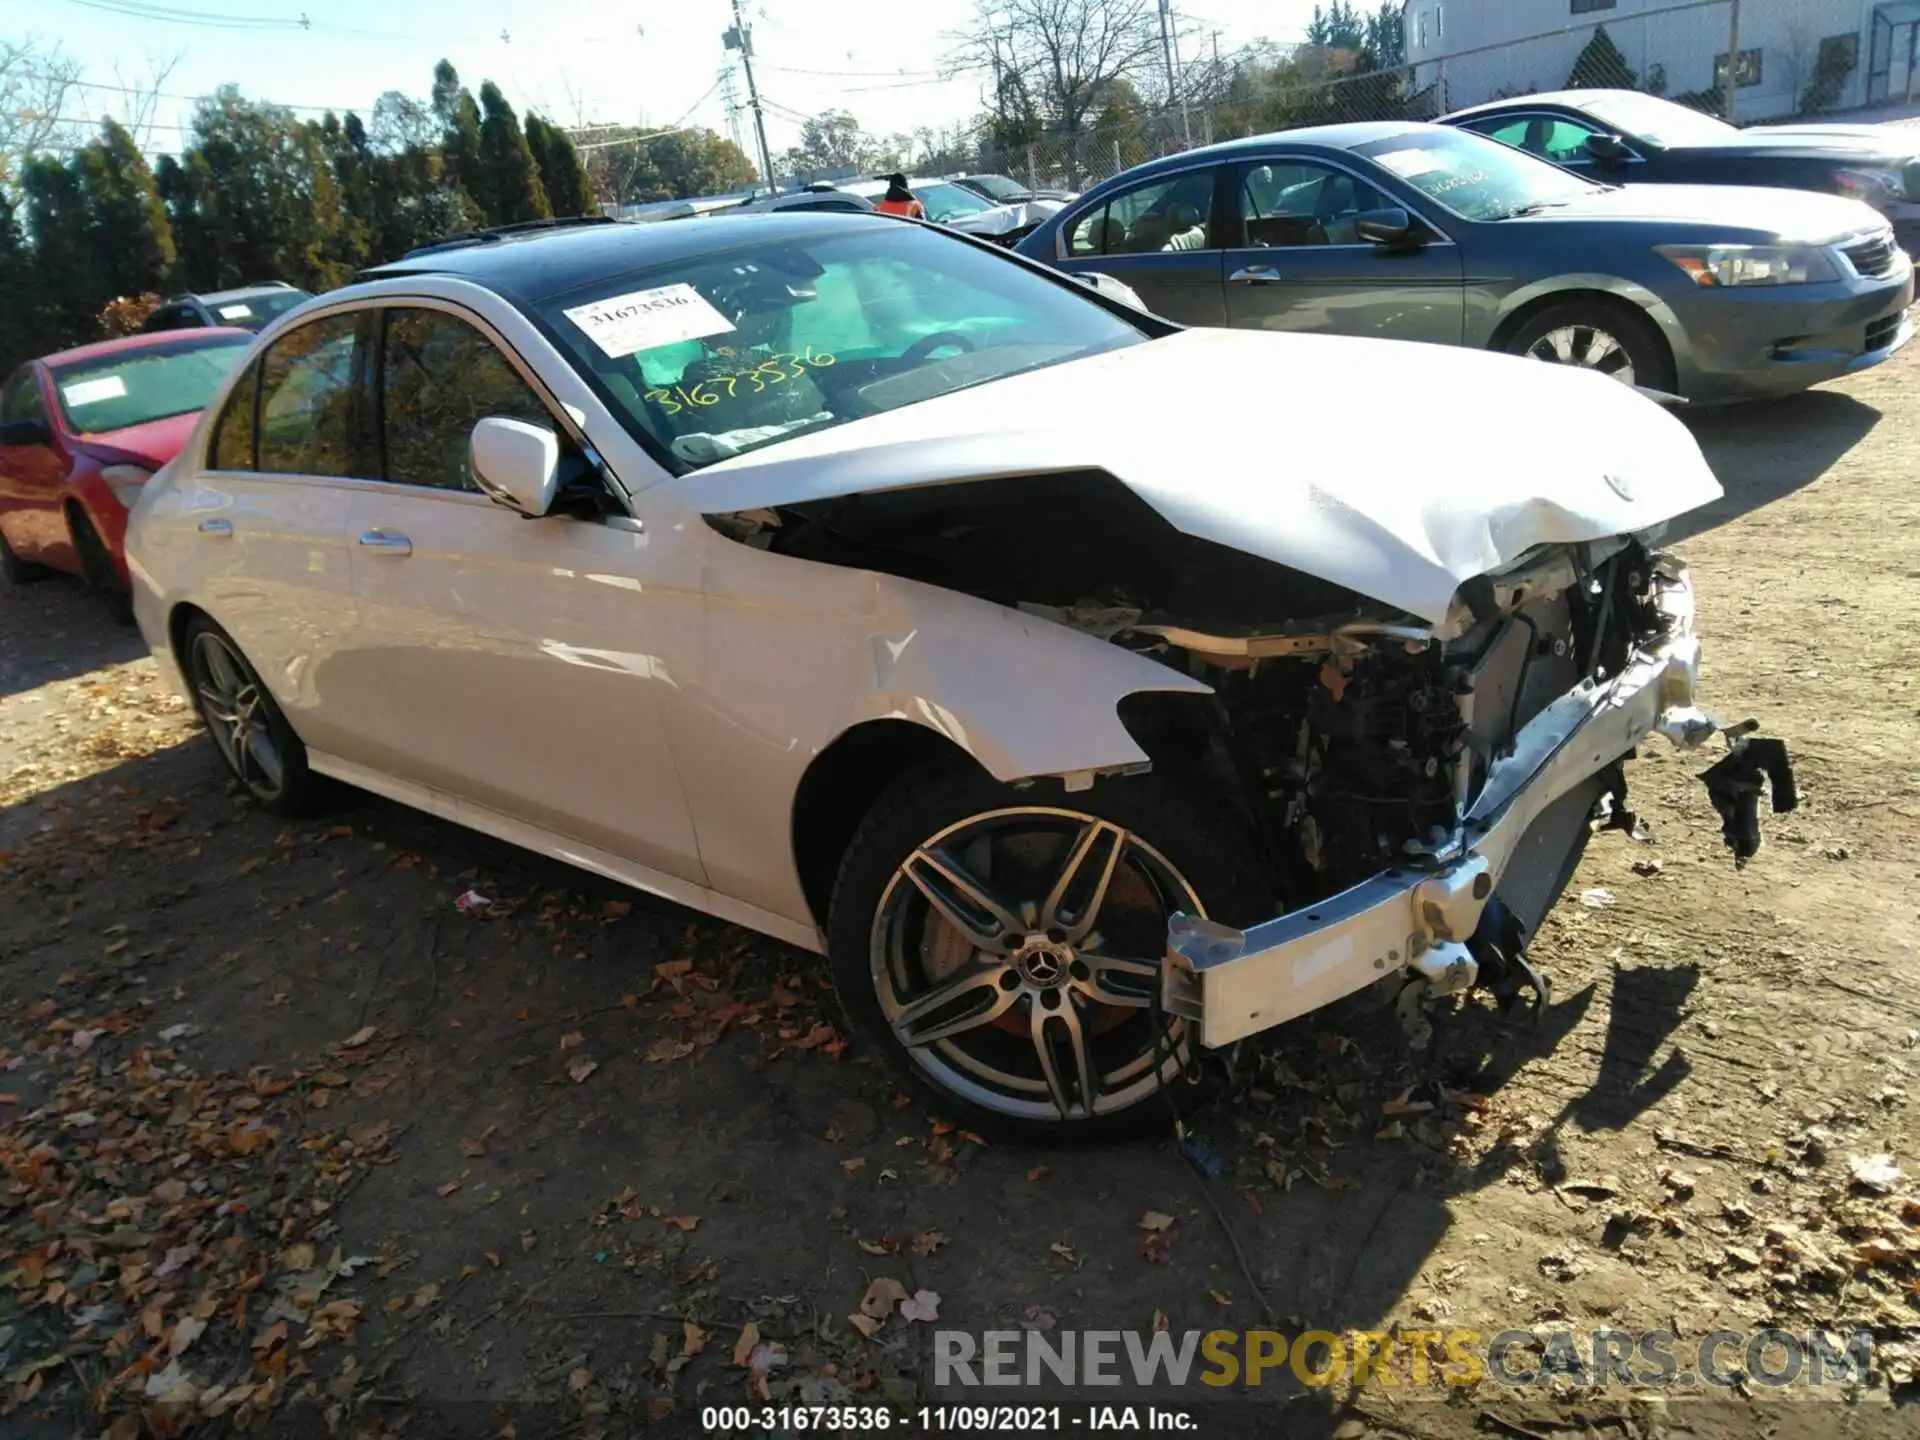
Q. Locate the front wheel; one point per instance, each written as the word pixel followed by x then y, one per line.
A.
pixel 253 737
pixel 1002 947
pixel 1610 338
pixel 97 568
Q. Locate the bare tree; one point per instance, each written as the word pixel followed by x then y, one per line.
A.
pixel 36 82
pixel 1065 52
pixel 142 94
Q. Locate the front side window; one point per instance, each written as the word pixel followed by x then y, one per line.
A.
pixel 735 349
pixel 1294 202
pixel 1173 214
pixel 1474 177
pixel 439 377
pixel 20 399
pixel 136 387
pixel 1551 137
pixel 309 405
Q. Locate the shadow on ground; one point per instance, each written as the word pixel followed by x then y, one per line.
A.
pixel 1764 452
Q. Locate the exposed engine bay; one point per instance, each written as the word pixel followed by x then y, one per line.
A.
pixel 1354 738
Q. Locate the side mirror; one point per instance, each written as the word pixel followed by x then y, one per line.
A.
pixel 25 432
pixel 516 464
pixel 1390 226
pixel 1607 149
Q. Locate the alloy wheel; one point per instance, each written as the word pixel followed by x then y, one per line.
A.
pixel 1017 956
pixel 239 715
pixel 1587 346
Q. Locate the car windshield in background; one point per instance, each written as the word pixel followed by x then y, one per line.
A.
pixel 254 312
pixel 1648 117
pixel 1003 190
pixel 151 383
pixel 944 201
pixel 1474 177
pixel 742 348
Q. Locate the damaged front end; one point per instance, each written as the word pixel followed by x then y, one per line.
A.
pixel 1443 784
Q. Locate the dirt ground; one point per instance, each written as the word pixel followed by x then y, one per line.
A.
pixel 292 1140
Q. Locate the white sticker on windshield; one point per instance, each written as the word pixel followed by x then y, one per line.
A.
pixel 235 312
pixel 642 319
pixel 91 392
pixel 1408 164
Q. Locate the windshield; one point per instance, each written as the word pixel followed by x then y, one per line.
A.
pixel 253 312
pixel 150 383
pixel 1648 117
pixel 1005 191
pixel 944 201
pixel 736 349
pixel 1474 177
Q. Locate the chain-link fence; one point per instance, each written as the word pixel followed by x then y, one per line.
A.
pixel 1744 60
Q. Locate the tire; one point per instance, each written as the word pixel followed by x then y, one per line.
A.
pixel 1624 342
pixel 96 568
pixel 1007 1049
pixel 17 571
pixel 253 738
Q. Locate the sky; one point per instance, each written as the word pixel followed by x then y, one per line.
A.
pixel 615 61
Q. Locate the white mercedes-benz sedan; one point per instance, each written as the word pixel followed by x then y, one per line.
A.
pixel 1092 693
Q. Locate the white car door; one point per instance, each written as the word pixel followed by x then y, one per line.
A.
pixel 504 662
pixel 263 523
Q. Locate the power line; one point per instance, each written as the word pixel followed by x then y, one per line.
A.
pixel 211 19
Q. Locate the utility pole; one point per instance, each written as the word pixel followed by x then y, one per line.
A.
pixel 741 38
pixel 1733 62
pixel 1169 50
pixel 730 98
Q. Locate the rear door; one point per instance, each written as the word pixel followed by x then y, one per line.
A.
pixel 1295 260
pixel 1158 237
pixel 30 477
pixel 506 662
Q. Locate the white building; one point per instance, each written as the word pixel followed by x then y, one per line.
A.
pixel 1483 49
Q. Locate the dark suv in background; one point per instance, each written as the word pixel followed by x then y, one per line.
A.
pixel 252 307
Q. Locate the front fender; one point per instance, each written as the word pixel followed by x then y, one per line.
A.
pixel 1617 286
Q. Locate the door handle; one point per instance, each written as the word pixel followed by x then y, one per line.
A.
pixel 219 529
pixel 387 543
pixel 1255 275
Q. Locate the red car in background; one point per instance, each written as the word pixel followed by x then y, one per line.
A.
pixel 81 432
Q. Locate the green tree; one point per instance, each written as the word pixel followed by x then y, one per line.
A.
pixel 351 160
pixel 1601 66
pixel 1338 27
pixel 569 190
pixel 69 294
pixel 1386 38
pixel 513 181
pixel 130 242
pixel 186 188
pixel 673 164
pixel 460 146
pixel 21 326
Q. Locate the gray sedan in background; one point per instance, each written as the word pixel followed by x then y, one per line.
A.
pixel 1420 232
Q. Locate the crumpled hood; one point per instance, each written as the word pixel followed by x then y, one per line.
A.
pixel 1004 219
pixel 1395 469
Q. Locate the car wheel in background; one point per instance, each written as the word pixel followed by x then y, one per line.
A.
pixel 1002 947
pixel 17 571
pixel 247 728
pixel 96 568
pixel 1610 337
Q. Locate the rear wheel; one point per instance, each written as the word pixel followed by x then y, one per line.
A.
pixel 253 737
pixel 96 567
pixel 16 570
pixel 1002 948
pixel 1613 339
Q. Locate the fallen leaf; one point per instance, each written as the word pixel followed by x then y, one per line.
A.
pixel 885 1245
pixel 493 1258
pixel 186 1330
pixel 928 1241
pixel 1155 1220
pixel 1877 1173
pixel 684 1223
pixel 743 1347
pixel 360 1037
pixel 1405 1104
pixel 571 1039
pixel 170 1192
pixel 579 1070
pixel 1220 1297
pixel 1880 1251
pixel 296 1258
pixel 579 1378
pixel 176 1257
pixel 1156 1247
pixel 447 1189
pixel 1392 1130
pixel 1038 1172
pixel 1596 898
pixel 692 1338
pixel 856 1163
pixel 924 1307
pixel 425 1296
pixel 1160 1322
pixel 865 1324
pixel 1064 1251
pixel 882 1295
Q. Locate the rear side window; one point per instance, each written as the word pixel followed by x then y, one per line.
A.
pixel 232 444
pixel 308 408
pixel 20 400
pixel 439 377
